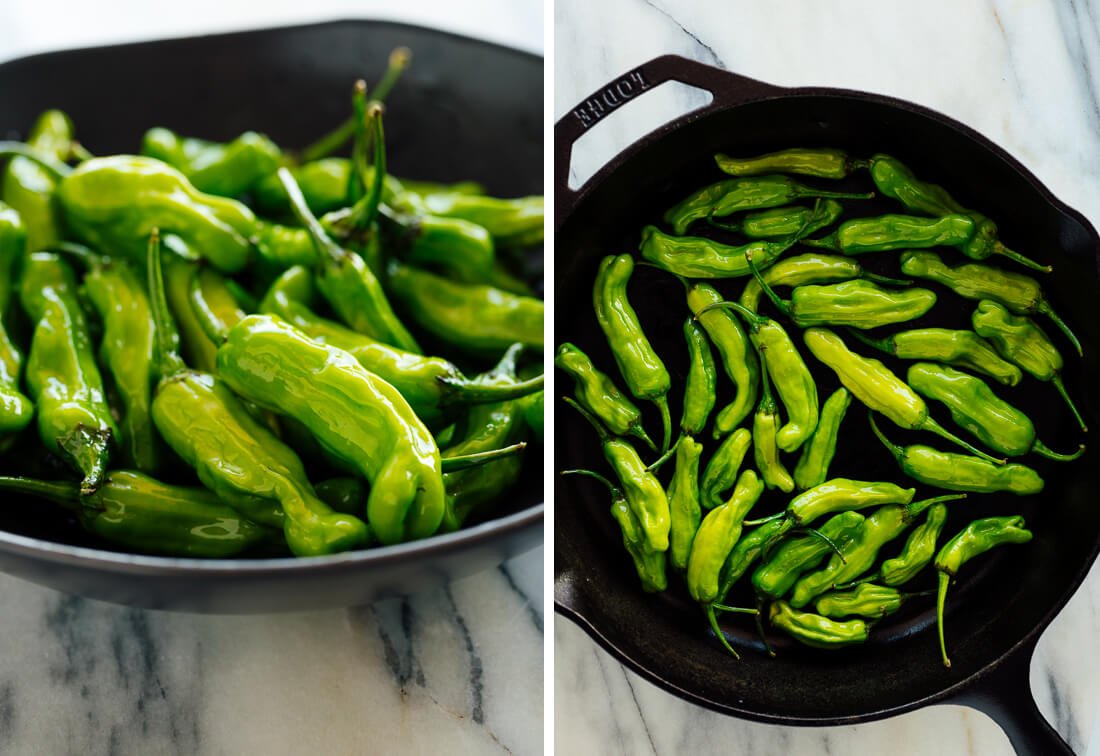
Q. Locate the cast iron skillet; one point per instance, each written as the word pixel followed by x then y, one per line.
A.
pixel 998 609
pixel 463 110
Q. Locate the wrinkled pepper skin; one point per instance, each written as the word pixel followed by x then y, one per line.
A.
pixel 699 257
pixel 918 551
pixel 811 268
pixel 641 368
pixel 597 393
pixel 74 419
pixel 701 383
pixel 838 495
pixel 976 538
pixel 815 630
pixel 28 188
pixel 765 448
pixel 16 410
pixel 356 416
pixel 324 184
pixel 141 514
pixel 813 466
pixel 734 347
pixel 781 222
pixel 820 162
pixel 856 303
pixel 865 600
pixel 1021 341
pixel 683 501
pixel 113 203
pixel 961 472
pixel 954 347
pixel 724 466
pixel 1020 293
pixel 506 220
pixel 745 554
pixel 799 555
pixel 749 193
pixel 461 250
pixel 716 537
pixel 975 407
pixel 534 413
pixel 198 348
pixel 225 169
pixel 649 563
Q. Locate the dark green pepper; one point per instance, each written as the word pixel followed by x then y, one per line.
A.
pixel 813 466
pixel 141 514
pixel 963 348
pixel 683 500
pixel 961 472
pixel 198 348
pixel 794 557
pixel 699 257
pixel 28 187
pixel 918 550
pixel 1020 293
pixel 645 374
pixel 865 600
pixel 746 552
pixel 716 537
pixel 815 630
pixel 820 162
pixel 534 413
pixel 722 469
pixel 16 410
pixel 975 407
pixel 701 383
pixel 224 169
pixel 812 268
pixel 765 429
pixel 976 538
pixel 597 393
pixel 782 222
pixel 1021 341
pixel 505 220
pixel 74 419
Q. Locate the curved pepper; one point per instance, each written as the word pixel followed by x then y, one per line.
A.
pixel 765 429
pixel 918 550
pixel 746 552
pixel 506 220
pixel 701 383
pixel 683 501
pixel 976 538
pixel 815 630
pixel 16 410
pixel 813 466
pixel 963 348
pixel 780 222
pixel 865 600
pixel 836 495
pixel 28 187
pixel 811 268
pixel 716 537
pixel 74 419
pixel 724 465
pixel 224 169
pixel 699 257
pixel 821 162
pixel 799 555
pixel 597 393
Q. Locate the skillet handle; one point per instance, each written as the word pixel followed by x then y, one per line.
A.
pixel 726 88
pixel 1005 695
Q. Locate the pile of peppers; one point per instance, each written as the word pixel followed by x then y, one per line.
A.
pixel 761 523
pixel 221 349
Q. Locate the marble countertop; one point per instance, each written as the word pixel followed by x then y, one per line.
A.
pixel 1021 72
pixel 456 670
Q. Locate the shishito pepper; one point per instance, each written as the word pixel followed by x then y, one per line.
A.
pixel 811 268
pixel 814 630
pixel 597 393
pixel 506 220
pixel 226 169
pixel 975 407
pixel 976 538
pixel 28 187
pixel 1021 341
pixel 865 600
pixel 918 551
pixel 16 410
pixel 813 466
pixel 820 162
pixel 699 257
pixel 683 501
pixel 765 431
pixel 954 347
pixel 701 383
pixel 716 537
pixel 780 222
pixel 136 512
pixel 836 495
pixel 799 555
pixel 724 465
pixel 74 419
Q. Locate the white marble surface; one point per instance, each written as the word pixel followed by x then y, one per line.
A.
pixel 1023 72
pixel 456 670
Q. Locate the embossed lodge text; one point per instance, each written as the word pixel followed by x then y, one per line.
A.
pixel 610 97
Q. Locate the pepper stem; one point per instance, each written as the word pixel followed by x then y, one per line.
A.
pixel 603 434
pixel 463 391
pixel 941 600
pixel 1001 249
pixel 917 507
pixel 1043 451
pixel 52 165
pixel 79 152
pixel 212 324
pixel 713 619
pixel 1057 381
pixel 780 304
pixel 886 345
pixel 666 456
pixel 763 520
pixel 829 541
pixel 167 341
pixel 65 493
pixel 754 320
pixel 1044 307
pixel 614 489
pixel 929 424
pixel 666 421
pixel 326 248
pixel 886 280
pixel 760 629
pixel 466 461
pixel 897 451
pixel 398 62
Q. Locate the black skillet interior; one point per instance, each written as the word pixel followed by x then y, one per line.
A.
pixel 463 110
pixel 1003 600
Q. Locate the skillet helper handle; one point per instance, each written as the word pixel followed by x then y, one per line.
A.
pixel 1005 696
pixel 726 88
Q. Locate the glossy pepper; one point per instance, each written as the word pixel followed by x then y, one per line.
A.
pixel 701 383
pixel 975 407
pixel 225 169
pixel 765 429
pixel 74 419
pixel 597 393
pixel 963 348
pixel 683 501
pixel 782 222
pixel 976 538
pixel 895 180
pixel 198 349
pixel 865 600
pixel 752 193
pixel 796 556
pixel 918 551
pixel 112 203
pixel 1021 341
pixel 889 232
pixel 324 184
pixel 814 630
pixel 506 220
pixel 716 537
pixel 534 413
pixel 236 457
pixel 746 552
pixel 699 257
pixel 644 493
pixel 820 162
pixel 961 472
pixel 28 187
pixel 811 268
pixel 645 374
pixel 138 513
pixel 1020 293
pixel 16 410
pixel 738 357
pixel 837 495
pixel 813 466
pixel 724 465
pixel 434 387
pixel 877 387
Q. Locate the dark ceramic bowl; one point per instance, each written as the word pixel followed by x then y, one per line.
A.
pixel 465 109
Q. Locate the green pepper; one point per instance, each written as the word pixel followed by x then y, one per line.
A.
pixel 865 600
pixel 815 630
pixel 112 203
pixel 918 550
pixel 28 187
pixel 683 501
pixel 813 466
pixel 461 250
pixel 1020 293
pixel 433 387
pixel 722 469
pixel 963 348
pixel 645 374
pixel 214 303
pixel 752 193
pixel 746 552
pixel 812 268
pixel 198 349
pixel 975 407
pixel 224 169
pixel 781 222
pixel 716 537
pixel 976 538
pixel 597 392
pixel 878 388
pixel 534 413
pixel 799 555
pixel 961 472
pixel 702 379
pixel 16 410
pixel 890 232
pixel 735 349
pixel 646 496
pixel 505 220
pixel 765 429
pixel 1021 341
pixel 699 257
pixel 820 162
pixel 342 494
pixel 836 495
pixel 324 184
pixel 74 420
pixel 281 247
pixel 138 513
